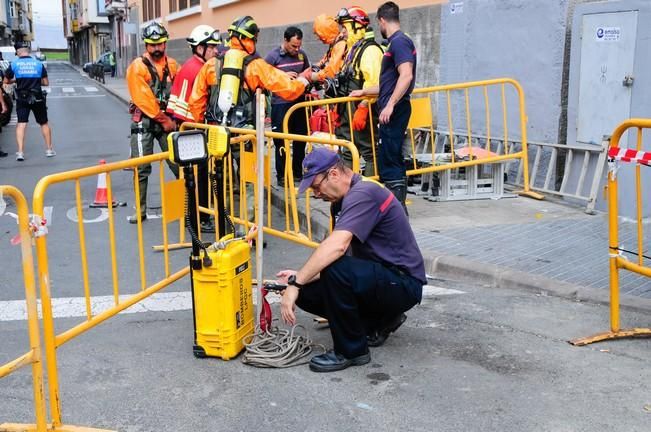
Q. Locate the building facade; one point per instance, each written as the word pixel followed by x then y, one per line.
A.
pixel 87 29
pixel 15 21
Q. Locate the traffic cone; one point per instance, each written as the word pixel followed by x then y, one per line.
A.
pixel 101 196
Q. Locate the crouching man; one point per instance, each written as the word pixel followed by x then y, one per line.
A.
pixel 365 274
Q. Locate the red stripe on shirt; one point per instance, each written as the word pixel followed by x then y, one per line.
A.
pixel 386 203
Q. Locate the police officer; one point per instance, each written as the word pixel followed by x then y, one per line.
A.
pixel 149 79
pixel 361 69
pixel 29 75
pixel 397 78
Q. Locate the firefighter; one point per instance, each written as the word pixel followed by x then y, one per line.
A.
pixel 257 73
pixel 361 69
pixel 219 96
pixel 327 31
pixel 149 79
pixel 204 41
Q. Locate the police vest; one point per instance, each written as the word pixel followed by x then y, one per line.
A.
pixel 160 87
pixel 243 113
pixel 351 77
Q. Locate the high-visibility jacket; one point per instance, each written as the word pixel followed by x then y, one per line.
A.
pixel 361 68
pixel 257 74
pixel 333 59
pixel 149 91
pixel 177 106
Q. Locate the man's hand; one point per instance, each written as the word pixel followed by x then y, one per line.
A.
pixel 308 75
pixel 292 74
pixel 166 123
pixel 283 275
pixel 288 304
pixel 356 93
pixel 360 117
pixel 385 115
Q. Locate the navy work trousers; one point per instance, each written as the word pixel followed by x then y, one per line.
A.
pixel 297 124
pixel 358 296
pixel 390 161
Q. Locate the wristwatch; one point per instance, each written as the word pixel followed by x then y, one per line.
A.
pixel 292 281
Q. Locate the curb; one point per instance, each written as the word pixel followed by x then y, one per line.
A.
pixel 459 268
pixel 114 93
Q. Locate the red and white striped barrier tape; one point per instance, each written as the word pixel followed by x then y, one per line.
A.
pixel 629 155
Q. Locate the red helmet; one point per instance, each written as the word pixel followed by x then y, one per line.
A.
pixel 355 14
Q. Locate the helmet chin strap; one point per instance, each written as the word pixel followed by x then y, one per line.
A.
pixel 239 38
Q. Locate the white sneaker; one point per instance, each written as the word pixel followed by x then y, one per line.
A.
pixel 20 156
pixel 50 153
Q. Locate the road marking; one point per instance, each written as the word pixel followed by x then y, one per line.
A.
pixel 72 215
pixel 68 89
pixel 70 307
pixel 76 96
pixel 13 121
pixel 433 291
pixel 91 89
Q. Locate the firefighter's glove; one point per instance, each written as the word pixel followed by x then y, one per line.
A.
pixel 361 117
pixel 166 123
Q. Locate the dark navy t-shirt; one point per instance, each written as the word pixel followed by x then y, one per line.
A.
pixel 380 227
pixel 28 73
pixel 401 49
pixel 280 59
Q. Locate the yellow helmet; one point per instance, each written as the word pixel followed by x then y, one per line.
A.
pixel 154 34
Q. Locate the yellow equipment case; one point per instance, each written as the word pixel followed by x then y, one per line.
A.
pixel 222 300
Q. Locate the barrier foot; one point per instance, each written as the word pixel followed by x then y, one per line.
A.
pixel 16 427
pixel 531 194
pixel 172 246
pixel 628 333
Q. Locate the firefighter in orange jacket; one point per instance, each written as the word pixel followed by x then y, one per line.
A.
pixel 257 73
pixel 327 31
pixel 149 79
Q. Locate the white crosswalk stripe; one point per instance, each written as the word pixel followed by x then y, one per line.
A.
pixel 91 89
pixel 68 89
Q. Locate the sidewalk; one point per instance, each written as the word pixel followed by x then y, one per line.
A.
pixel 522 243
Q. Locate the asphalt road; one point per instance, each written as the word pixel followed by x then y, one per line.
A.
pixel 469 358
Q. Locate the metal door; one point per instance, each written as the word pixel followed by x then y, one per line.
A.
pixel 606 77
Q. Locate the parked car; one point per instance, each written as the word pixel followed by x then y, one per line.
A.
pixel 103 60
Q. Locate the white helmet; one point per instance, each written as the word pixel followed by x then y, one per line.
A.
pixel 204 34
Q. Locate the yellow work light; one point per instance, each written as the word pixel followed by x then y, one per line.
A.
pixel 187 147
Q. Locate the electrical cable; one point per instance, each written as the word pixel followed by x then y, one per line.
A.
pixel 278 348
pixel 215 191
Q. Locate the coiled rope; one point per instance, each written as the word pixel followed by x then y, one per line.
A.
pixel 279 348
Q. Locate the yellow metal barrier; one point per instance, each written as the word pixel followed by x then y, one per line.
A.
pixel 616 260
pixel 291 230
pixel 422 118
pixel 52 340
pixel 33 356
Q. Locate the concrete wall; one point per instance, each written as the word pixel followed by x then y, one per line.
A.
pixel 422 23
pixel 519 39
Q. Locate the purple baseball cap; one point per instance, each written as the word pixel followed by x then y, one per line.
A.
pixel 317 161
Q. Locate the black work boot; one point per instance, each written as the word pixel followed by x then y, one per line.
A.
pixel 399 189
pixel 332 361
pixel 378 337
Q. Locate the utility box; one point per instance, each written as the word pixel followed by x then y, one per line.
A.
pixel 610 81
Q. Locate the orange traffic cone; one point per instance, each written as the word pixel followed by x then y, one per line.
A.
pixel 101 196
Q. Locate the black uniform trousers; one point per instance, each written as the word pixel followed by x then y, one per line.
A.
pixel 297 124
pixel 358 296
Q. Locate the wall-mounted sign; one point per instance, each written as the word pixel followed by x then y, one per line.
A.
pixel 608 34
pixel 456 7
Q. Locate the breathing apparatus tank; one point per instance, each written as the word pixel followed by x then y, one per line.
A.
pixel 229 85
